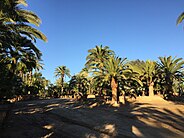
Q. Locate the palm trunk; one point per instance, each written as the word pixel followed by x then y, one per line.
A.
pixel 21 74
pixel 13 69
pixel 62 81
pixel 23 77
pixel 26 78
pixel 114 87
pixel 151 92
pixel 30 78
pixel 101 91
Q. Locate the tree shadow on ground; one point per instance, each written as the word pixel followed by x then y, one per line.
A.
pixel 177 100
pixel 92 118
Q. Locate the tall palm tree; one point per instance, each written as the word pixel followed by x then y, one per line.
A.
pixel 171 69
pixel 18 36
pixel 97 56
pixel 61 72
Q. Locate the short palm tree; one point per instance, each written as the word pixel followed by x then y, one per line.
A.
pixel 171 69
pixel 147 73
pixel 114 71
pixel 61 72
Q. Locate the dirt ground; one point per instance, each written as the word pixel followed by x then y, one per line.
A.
pixel 67 118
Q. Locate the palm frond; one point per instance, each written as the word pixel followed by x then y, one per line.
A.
pixel 180 18
pixel 34 32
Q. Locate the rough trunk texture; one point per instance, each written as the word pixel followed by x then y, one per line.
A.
pixel 114 86
pixel 151 92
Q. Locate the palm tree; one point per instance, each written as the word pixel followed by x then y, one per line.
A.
pixel 18 36
pixel 171 69
pixel 73 85
pixel 147 73
pixel 84 72
pixel 79 85
pixel 61 72
pixel 39 84
pixel 114 71
pixel 97 56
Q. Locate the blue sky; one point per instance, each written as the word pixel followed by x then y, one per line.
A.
pixel 136 29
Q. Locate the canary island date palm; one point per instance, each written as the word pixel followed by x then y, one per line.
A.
pixel 18 36
pixel 61 72
pixel 148 73
pixel 114 71
pixel 171 69
pixel 97 56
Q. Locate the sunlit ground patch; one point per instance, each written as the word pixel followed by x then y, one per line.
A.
pixel 48 126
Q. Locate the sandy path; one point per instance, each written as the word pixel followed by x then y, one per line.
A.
pixel 70 119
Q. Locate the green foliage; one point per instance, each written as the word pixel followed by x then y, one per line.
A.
pixel 39 84
pixel 171 69
pixel 10 84
pixel 180 18
pixel 52 91
pixel 61 72
pixel 79 85
pixel 18 52
pixel 147 72
pixel 97 56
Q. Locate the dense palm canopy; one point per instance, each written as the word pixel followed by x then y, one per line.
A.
pixel 120 77
pixel 171 69
pixel 18 52
pixel 17 36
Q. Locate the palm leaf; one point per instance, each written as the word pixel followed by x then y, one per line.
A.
pixel 29 17
pixel 180 18
pixel 34 32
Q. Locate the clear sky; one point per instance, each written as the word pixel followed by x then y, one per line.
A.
pixel 136 29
